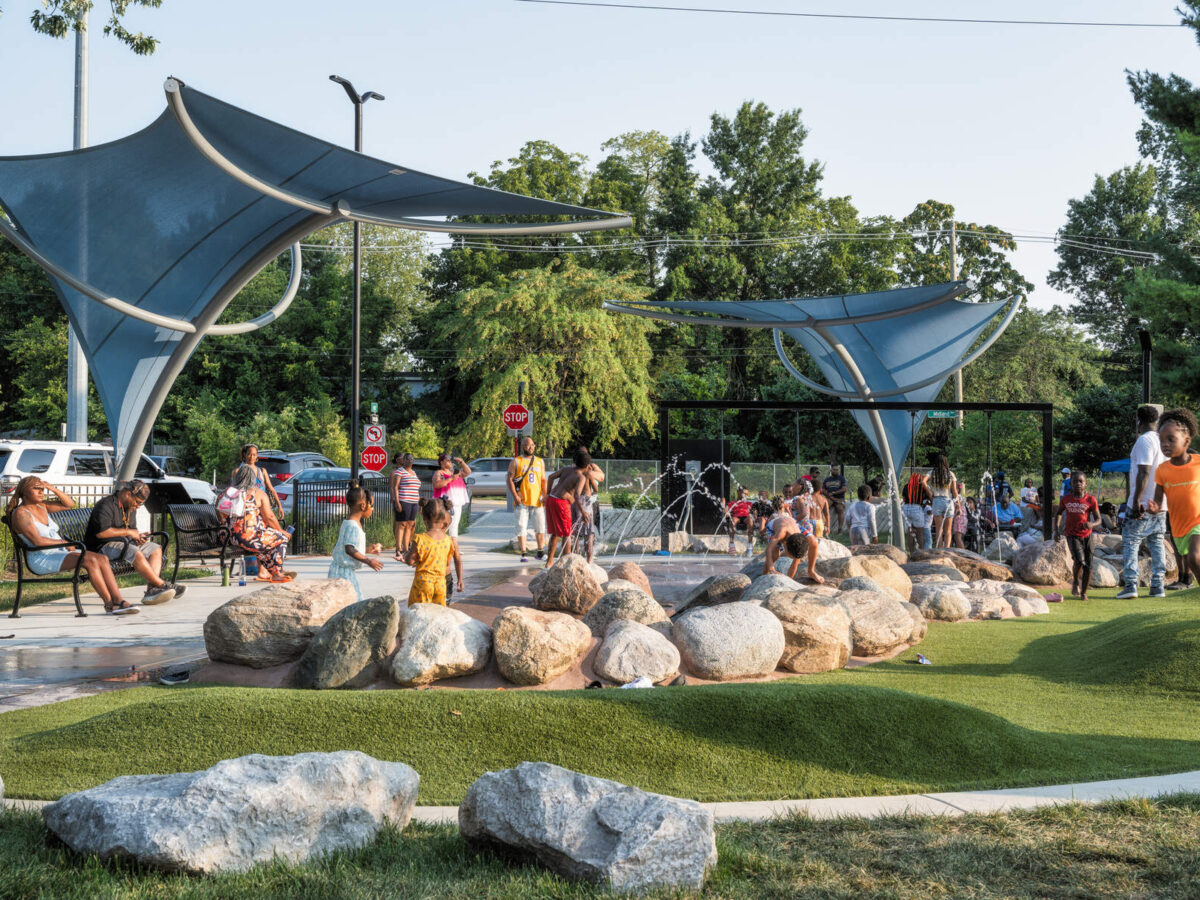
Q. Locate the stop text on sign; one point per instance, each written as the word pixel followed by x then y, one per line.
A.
pixel 515 417
pixel 374 458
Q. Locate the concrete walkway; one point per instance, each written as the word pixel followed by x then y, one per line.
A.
pixel 952 804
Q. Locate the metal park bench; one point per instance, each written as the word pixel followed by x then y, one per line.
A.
pixel 200 532
pixel 72 525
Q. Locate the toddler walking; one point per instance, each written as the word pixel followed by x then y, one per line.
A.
pixel 430 553
pixel 350 551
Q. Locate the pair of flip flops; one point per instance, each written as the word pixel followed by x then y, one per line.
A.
pixel 125 609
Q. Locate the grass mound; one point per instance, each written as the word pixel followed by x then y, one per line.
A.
pixel 747 741
pixel 1152 650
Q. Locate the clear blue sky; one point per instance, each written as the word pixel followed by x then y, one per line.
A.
pixel 1006 122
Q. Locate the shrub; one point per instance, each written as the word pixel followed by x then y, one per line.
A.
pixel 630 500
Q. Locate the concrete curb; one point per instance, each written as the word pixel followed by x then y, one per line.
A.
pixel 951 804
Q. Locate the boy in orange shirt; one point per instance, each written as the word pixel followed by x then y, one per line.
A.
pixel 1179 480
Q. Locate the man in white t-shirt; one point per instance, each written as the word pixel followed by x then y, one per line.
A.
pixel 1140 524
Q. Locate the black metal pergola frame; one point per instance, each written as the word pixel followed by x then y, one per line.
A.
pixel 1046 410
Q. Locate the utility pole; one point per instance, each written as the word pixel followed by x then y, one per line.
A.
pixel 77 370
pixel 958 379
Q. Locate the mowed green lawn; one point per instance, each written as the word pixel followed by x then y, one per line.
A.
pixel 1101 690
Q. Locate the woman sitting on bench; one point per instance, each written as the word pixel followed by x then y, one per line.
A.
pixel 29 514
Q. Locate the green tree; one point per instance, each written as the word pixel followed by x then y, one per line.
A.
pixel 37 401
pixel 420 437
pixel 586 369
pixel 1125 207
pixel 1101 426
pixel 1016 447
pixel 59 17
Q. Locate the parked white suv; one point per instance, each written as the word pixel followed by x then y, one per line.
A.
pixel 86 469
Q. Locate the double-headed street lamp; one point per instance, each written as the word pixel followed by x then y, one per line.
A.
pixel 356 317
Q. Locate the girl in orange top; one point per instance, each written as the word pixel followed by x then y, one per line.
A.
pixel 1179 480
pixel 430 553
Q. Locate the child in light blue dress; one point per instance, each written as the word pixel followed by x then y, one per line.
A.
pixel 350 551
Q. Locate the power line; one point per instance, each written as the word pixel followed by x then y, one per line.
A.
pixel 853 16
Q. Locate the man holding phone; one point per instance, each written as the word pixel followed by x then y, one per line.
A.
pixel 112 530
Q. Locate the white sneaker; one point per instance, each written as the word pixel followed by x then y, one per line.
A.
pixel 1128 594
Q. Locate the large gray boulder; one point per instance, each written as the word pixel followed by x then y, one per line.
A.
pixel 1104 574
pixel 240 813
pixel 1002 548
pixel 840 567
pixel 348 649
pixel 623 603
pixel 632 572
pixel 733 640
pixel 895 554
pixel 974 566
pixel 533 647
pixel 570 585
pixel 816 633
pixel 878 624
pixel 867 583
pixel 985 605
pixel 915 569
pixel 439 642
pixel 831 549
pixel 920 625
pixel 274 625
pixel 632 650
pixel 1027 606
pixel 766 585
pixel 944 602
pixel 590 829
pixel 1045 562
pixel 714 591
pixel 884 571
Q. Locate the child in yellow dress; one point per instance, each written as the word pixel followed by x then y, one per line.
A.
pixel 430 553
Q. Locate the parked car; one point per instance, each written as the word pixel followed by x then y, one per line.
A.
pixel 310 482
pixel 85 470
pixel 172 466
pixel 489 476
pixel 282 466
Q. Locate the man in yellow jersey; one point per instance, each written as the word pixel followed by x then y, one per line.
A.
pixel 527 481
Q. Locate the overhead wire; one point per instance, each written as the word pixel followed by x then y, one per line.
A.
pixel 852 16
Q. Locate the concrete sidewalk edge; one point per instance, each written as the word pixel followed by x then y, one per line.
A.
pixel 953 803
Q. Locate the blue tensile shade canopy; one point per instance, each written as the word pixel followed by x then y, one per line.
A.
pixel 888 345
pixel 149 238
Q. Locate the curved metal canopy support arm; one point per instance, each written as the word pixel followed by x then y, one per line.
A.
pixel 904 389
pixel 142 315
pixel 341 208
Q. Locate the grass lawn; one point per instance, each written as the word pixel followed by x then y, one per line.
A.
pixel 1101 690
pixel 1126 849
pixel 33 594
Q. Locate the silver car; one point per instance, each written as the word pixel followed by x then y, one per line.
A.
pixel 489 476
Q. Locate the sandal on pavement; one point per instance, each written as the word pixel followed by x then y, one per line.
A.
pixel 126 608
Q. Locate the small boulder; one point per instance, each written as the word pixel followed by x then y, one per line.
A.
pixel 985 605
pixel 715 591
pixel 627 603
pixel 842 567
pixel 831 549
pixel 866 583
pixel 761 588
pixel 274 625
pixel 569 585
pixel 632 650
pixel 931 579
pixel 951 571
pixel 533 647
pixel 975 567
pixel 920 625
pixel 1003 548
pixel 439 642
pixel 1046 562
pixel 1104 574
pixel 239 813
pixel 590 829
pixel 632 572
pixel 878 624
pixel 895 554
pixel 733 640
pixel 639 545
pixel 816 633
pixel 938 555
pixel 887 573
pixel 348 649
pixel 1027 606
pixel 601 575
pixel 1013 589
pixel 945 603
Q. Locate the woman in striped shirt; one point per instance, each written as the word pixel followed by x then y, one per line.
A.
pixel 406 495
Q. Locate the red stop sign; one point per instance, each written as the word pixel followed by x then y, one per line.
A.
pixel 515 416
pixel 374 458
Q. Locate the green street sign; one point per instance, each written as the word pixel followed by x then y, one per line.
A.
pixel 942 413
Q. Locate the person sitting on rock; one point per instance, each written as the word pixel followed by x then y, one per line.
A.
pixel 740 517
pixel 794 537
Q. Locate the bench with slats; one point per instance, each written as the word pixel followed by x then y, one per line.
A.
pixel 200 534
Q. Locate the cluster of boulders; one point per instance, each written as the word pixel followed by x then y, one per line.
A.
pixel 255 809
pixel 337 642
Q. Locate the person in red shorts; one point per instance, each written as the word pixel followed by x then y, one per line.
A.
pixel 740 517
pixel 1178 479
pixel 562 488
pixel 1078 514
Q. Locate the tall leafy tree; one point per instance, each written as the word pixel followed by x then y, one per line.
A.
pixel 586 370
pixel 57 18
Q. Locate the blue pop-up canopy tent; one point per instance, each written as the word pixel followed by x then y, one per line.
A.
pixel 898 345
pixel 149 238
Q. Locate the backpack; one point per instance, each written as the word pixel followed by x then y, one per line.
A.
pixel 232 503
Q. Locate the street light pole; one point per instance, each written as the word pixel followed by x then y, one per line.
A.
pixel 77 369
pixel 356 316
